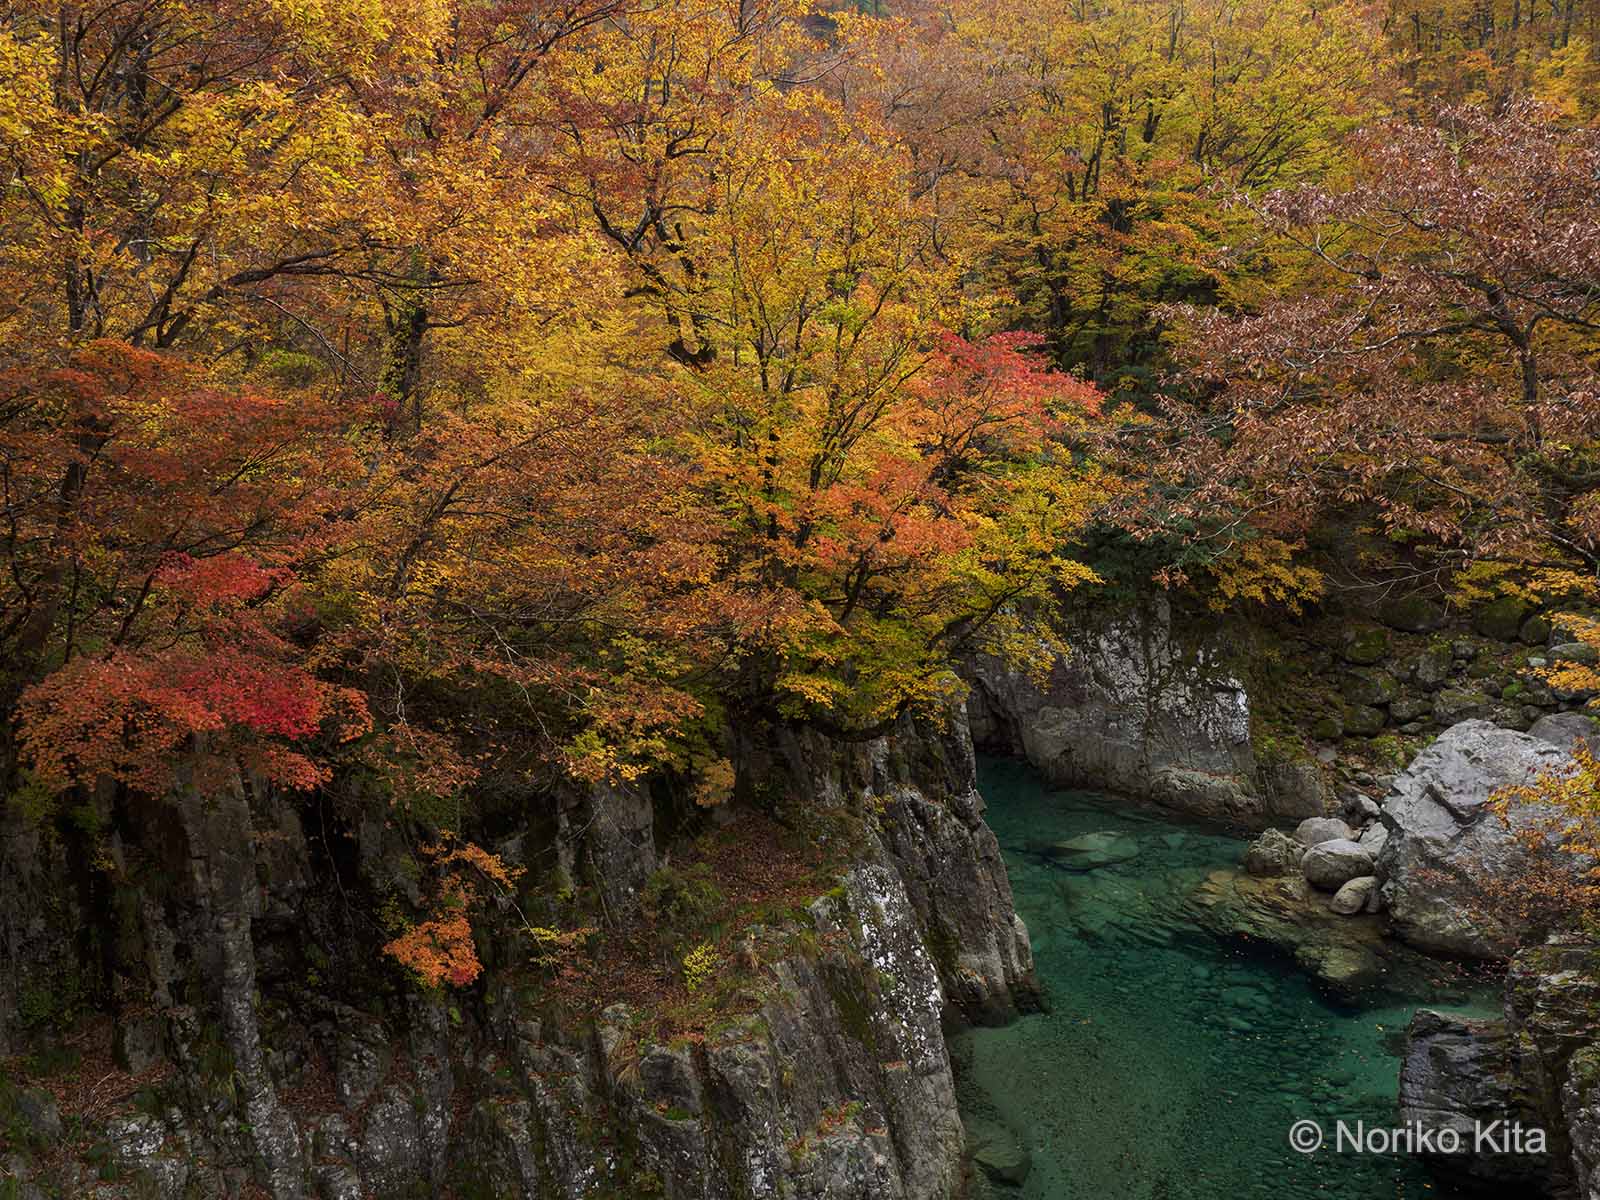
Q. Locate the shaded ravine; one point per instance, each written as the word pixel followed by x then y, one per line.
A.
pixel 1172 1064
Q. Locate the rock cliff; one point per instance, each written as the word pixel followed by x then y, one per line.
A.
pixel 1536 1066
pixel 828 1077
pixel 1138 708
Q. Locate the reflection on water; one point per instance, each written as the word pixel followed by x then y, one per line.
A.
pixel 1172 1064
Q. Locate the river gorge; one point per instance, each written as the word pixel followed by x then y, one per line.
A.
pixel 1173 1063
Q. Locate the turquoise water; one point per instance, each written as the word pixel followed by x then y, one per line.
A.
pixel 1172 1063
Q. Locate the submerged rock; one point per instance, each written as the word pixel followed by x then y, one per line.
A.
pixel 1345 954
pixel 1090 851
pixel 998 1153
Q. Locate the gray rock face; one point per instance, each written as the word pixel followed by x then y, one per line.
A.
pixel 1458 1073
pixel 933 835
pixel 360 1052
pixel 829 1079
pixel 838 1085
pixel 1445 847
pixel 1136 709
pixel 136 1043
pixel 213 852
pixel 608 838
pixel 1538 1065
pixel 1580 1109
pixel 1330 865
pixel 1564 729
pixel 391 1148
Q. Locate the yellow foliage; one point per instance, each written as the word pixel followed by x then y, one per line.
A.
pixel 1569 79
pixel 714 784
pixel 1573 675
pixel 700 966
pixel 1480 582
pixel 1264 572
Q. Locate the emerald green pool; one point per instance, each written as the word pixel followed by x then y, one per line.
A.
pixel 1173 1064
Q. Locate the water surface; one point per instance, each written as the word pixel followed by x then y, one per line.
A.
pixel 1173 1064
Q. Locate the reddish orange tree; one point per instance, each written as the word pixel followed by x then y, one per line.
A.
pixel 156 526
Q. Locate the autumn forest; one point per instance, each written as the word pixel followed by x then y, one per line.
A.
pixel 425 412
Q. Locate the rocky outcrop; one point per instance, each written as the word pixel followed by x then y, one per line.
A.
pixel 837 1085
pixel 823 1074
pixel 1460 1074
pixel 1347 954
pixel 1446 849
pixel 1134 708
pixel 1536 1067
pixel 607 838
pixel 919 784
pixel 930 831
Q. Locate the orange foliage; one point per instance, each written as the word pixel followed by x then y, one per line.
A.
pixel 439 949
